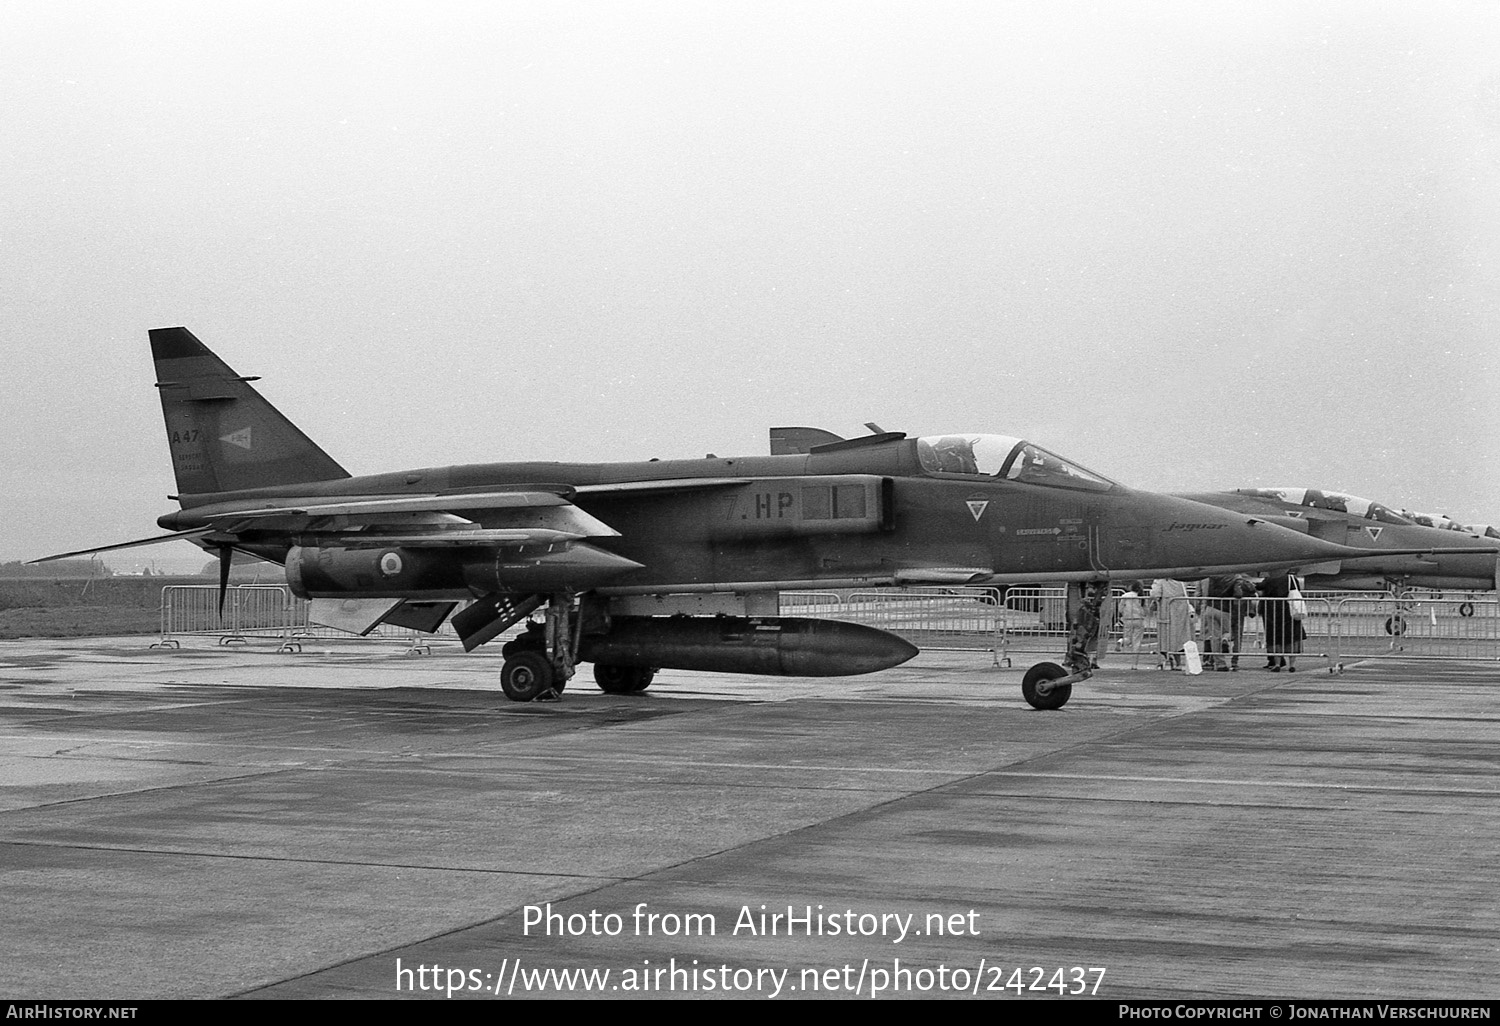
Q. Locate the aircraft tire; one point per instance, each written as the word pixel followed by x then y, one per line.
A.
pixel 1056 698
pixel 529 641
pixel 621 680
pixel 1466 609
pixel 526 675
pixel 1395 625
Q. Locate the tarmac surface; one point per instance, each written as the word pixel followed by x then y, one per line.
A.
pixel 354 822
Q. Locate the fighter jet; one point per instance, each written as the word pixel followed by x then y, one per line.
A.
pixel 1443 523
pixel 1454 558
pixel 672 563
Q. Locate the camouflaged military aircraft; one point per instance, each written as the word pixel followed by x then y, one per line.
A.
pixel 1450 556
pixel 672 563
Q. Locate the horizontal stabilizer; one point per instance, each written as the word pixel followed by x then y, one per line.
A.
pixel 177 536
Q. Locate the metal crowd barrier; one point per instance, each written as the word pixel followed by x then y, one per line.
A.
pixel 1231 631
pixel 263 611
pixel 1420 625
pixel 249 610
pixel 956 618
pixel 1339 628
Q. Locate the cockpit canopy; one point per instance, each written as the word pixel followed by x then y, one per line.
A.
pixel 1006 458
pixel 1314 498
pixel 1443 523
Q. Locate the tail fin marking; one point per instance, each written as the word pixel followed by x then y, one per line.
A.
pixel 223 435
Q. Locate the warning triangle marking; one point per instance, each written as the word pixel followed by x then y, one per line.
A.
pixel 240 438
pixel 976 508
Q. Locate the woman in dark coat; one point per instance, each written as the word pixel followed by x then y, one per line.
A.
pixel 1284 633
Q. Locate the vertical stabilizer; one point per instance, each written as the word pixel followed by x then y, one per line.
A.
pixel 224 437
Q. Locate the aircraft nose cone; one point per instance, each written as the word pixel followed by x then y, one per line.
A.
pixel 1194 538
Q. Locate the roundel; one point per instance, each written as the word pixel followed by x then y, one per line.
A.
pixel 390 564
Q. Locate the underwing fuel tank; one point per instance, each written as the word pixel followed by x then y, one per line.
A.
pixel 769 646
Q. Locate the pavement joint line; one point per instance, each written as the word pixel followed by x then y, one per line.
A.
pixel 125 849
pixel 248 775
pixel 1184 803
pixel 506 753
pixel 1295 784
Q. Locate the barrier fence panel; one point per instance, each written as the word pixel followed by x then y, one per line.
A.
pixel 248 610
pixel 264 611
pixel 1335 628
pixel 828 604
pixel 932 618
pixel 261 611
pixel 186 610
pixel 1420 626
pixel 1229 631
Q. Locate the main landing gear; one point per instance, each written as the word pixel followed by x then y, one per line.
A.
pixel 1048 685
pixel 622 680
pixel 540 662
pixel 543 658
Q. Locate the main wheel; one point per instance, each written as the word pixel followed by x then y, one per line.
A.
pixel 621 680
pixel 526 675
pixel 1395 625
pixel 1056 697
pixel 528 640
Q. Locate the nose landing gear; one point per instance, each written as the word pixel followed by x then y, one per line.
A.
pixel 1048 685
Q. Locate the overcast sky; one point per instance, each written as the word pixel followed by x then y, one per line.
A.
pixel 1191 245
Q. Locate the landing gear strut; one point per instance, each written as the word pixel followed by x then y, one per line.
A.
pixel 539 663
pixel 1048 685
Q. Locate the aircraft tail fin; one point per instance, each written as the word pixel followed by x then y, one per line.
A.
pixel 223 435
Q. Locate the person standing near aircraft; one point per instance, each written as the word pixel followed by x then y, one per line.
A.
pixel 1133 619
pixel 1169 599
pixel 1223 618
pixel 1213 624
pixel 1241 605
pixel 1284 634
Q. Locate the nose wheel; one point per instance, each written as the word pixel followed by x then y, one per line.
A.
pixel 1048 685
pixel 1039 689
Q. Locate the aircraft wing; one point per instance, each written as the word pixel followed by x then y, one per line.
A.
pixel 444 509
pixel 534 515
pixel 394 504
pixel 460 538
pixel 508 518
pixel 684 484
